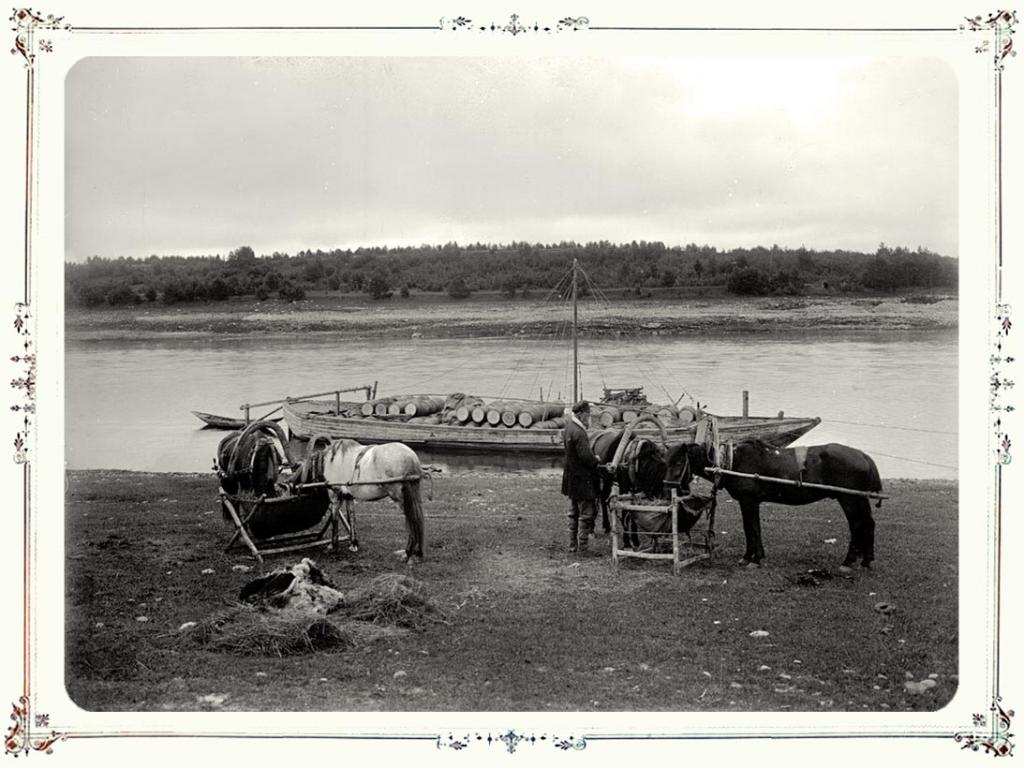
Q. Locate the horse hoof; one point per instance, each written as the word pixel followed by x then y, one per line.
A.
pixel 753 564
pixel 353 548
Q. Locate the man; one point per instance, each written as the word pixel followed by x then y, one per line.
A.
pixel 579 478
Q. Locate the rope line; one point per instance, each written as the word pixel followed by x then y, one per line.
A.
pixel 888 426
pixel 913 461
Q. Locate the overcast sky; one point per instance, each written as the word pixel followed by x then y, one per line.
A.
pixel 199 156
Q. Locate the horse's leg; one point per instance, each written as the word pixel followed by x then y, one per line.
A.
pixel 862 530
pixel 350 515
pixel 605 492
pixel 751 511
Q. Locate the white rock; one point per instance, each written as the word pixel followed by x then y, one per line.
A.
pixel 142 619
pixel 399 674
pixel 759 633
pixel 830 541
pixel 213 699
pixel 207 571
pixel 186 626
pixel 764 668
pixel 241 568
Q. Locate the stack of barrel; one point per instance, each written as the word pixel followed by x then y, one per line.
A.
pixel 472 411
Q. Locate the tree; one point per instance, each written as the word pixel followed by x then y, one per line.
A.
pixel 378 286
pixel 749 281
pixel 242 255
pixel 458 289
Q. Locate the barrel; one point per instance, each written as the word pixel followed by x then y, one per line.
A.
pixel 434 418
pixel 369 408
pixel 688 414
pixel 464 412
pixel 666 415
pixel 532 413
pixel 555 423
pixel 424 406
pixel 509 416
pixel 479 414
pixel 629 415
pixel 608 415
pixel 493 411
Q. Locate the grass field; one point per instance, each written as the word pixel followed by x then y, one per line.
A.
pixel 529 628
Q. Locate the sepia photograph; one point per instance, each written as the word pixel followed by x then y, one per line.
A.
pixel 648 366
pixel 633 383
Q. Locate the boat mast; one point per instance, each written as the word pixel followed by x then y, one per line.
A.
pixel 575 346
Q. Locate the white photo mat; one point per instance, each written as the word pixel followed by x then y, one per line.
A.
pixel 976 43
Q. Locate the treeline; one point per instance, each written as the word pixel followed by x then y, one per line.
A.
pixel 512 269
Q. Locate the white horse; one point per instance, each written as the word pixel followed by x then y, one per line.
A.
pixel 371 472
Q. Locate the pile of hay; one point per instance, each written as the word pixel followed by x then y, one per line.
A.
pixel 248 631
pixel 296 611
pixel 392 598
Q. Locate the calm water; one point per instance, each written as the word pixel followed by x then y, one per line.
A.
pixel 893 395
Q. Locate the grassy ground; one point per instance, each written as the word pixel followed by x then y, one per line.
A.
pixel 531 628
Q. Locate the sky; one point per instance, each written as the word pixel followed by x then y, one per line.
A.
pixel 198 156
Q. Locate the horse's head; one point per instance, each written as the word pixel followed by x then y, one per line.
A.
pixel 682 462
pixel 649 469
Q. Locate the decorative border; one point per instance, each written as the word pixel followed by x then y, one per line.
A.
pixel 25 384
pixel 995 742
pixel 511 740
pixel 19 741
pixel 514 26
pixel 991 733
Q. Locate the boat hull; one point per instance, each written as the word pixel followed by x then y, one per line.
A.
pixel 314 419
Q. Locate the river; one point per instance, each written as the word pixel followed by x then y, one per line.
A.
pixel 893 395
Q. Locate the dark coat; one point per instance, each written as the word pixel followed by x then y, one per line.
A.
pixel 579 478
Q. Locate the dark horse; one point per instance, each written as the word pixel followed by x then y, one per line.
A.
pixel 832 464
pixel 249 461
pixel 642 471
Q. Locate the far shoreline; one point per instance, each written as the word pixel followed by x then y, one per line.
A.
pixel 494 316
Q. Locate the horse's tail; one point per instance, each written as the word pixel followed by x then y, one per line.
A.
pixel 874 479
pixel 412 506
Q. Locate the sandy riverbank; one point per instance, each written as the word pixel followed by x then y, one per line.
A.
pixel 489 316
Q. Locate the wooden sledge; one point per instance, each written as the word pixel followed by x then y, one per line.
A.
pixel 303 518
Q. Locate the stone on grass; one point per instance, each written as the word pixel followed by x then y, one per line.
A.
pixel 759 633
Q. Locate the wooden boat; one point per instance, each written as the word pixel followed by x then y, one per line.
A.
pixel 510 426
pixel 214 421
pixel 310 418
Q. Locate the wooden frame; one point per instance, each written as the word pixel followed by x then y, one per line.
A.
pixel 270 545
pixel 679 546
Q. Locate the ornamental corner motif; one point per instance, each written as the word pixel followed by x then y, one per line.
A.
pixel 1000 24
pixel 995 741
pixel 24 383
pixel 26 21
pixel 19 741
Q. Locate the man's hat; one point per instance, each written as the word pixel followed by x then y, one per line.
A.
pixel 581 407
